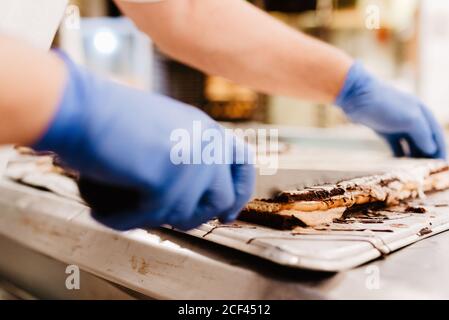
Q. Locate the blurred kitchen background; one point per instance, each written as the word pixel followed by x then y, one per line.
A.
pixel 406 42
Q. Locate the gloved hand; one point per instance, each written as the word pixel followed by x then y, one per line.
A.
pixel 119 139
pixel 396 116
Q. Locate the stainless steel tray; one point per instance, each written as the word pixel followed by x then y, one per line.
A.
pixel 338 246
pixel 335 248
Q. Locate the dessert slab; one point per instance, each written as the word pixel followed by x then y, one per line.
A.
pixel 337 246
pixel 344 243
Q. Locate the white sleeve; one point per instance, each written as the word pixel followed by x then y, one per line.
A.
pixel 33 20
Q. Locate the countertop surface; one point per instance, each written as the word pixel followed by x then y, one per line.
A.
pixel 41 233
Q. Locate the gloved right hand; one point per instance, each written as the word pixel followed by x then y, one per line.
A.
pixel 401 119
pixel 119 139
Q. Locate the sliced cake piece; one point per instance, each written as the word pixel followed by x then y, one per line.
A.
pixel 321 205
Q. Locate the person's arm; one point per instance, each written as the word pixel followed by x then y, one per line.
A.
pixel 31 82
pixel 125 143
pixel 236 40
pixel 242 43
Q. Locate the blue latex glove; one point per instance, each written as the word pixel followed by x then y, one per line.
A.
pixel 118 138
pixel 396 116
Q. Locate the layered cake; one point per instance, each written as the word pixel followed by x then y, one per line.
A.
pixel 323 204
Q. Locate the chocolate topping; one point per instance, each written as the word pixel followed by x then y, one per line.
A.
pixel 439 170
pixel 272 220
pixel 412 209
pixel 312 194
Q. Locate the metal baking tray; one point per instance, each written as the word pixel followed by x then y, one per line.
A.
pixel 338 246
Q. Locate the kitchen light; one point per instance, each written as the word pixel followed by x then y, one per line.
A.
pixel 105 42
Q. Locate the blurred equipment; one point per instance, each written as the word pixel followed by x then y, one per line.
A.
pixel 433 56
pixel 222 99
pixel 112 47
pixel 290 5
pixel 298 6
pixel 178 81
pixel 228 101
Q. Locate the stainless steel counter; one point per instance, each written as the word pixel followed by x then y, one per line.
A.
pixel 42 233
pixel 416 272
pixel 38 241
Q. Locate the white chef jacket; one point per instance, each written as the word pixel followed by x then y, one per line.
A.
pixel 35 20
pixel 32 20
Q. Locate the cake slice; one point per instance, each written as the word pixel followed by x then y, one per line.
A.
pixel 321 205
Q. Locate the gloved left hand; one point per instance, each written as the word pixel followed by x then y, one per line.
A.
pixel 398 117
pixel 120 140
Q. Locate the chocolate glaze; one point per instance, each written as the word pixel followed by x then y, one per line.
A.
pixel 412 209
pixel 386 182
pixel 424 231
pixel 364 209
pixel 309 195
pixel 272 220
pixel 443 169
